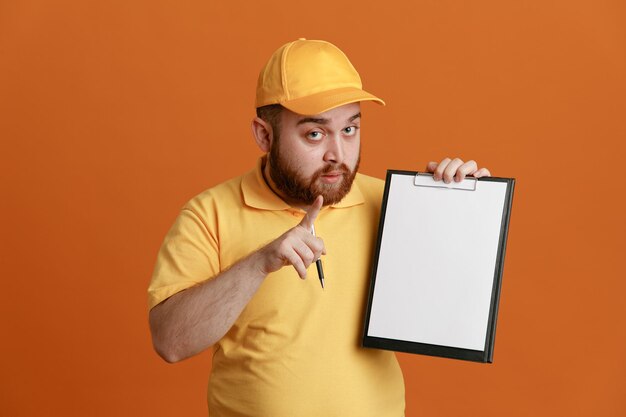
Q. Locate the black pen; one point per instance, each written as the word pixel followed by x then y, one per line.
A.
pixel 318 263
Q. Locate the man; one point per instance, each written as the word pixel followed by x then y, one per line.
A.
pixel 284 346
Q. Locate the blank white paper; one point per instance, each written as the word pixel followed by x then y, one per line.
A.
pixel 437 262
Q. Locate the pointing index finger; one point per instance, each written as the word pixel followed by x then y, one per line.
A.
pixel 312 212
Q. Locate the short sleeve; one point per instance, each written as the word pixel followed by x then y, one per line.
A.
pixel 188 256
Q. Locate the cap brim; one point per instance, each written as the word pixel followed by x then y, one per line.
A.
pixel 327 100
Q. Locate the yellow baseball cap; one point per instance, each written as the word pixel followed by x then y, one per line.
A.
pixel 310 77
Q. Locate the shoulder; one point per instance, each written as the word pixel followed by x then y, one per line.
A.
pixel 369 181
pixel 223 196
pixel 371 188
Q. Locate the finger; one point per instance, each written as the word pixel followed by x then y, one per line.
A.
pixel 451 169
pixel 431 166
pixel 438 172
pixel 467 168
pixel 317 246
pixel 323 251
pixel 314 244
pixel 483 172
pixel 294 260
pixel 305 253
pixel 312 212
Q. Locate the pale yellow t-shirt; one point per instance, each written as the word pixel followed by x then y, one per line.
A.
pixel 295 349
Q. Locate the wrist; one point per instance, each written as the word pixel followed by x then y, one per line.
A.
pixel 258 264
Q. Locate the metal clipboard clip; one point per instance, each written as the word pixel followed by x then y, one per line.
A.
pixel 423 179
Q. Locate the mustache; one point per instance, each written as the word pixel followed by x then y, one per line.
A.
pixel 342 168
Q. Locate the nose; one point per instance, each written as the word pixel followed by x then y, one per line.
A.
pixel 334 150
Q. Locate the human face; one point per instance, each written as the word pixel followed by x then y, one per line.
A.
pixel 316 155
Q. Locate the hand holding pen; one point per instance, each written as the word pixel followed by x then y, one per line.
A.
pixel 297 247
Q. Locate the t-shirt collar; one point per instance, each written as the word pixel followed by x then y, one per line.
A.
pixel 257 194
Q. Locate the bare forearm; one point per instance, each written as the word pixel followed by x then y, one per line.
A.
pixel 189 322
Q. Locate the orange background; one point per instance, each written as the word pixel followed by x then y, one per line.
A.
pixel 113 114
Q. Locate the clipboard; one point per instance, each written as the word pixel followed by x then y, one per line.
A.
pixel 437 267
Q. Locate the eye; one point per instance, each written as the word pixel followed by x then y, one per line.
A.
pixel 350 130
pixel 314 135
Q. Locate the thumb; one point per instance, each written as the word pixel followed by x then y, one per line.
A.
pixel 312 212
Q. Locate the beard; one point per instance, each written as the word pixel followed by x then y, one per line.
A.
pixel 296 187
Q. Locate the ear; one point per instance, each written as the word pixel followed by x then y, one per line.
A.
pixel 262 132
